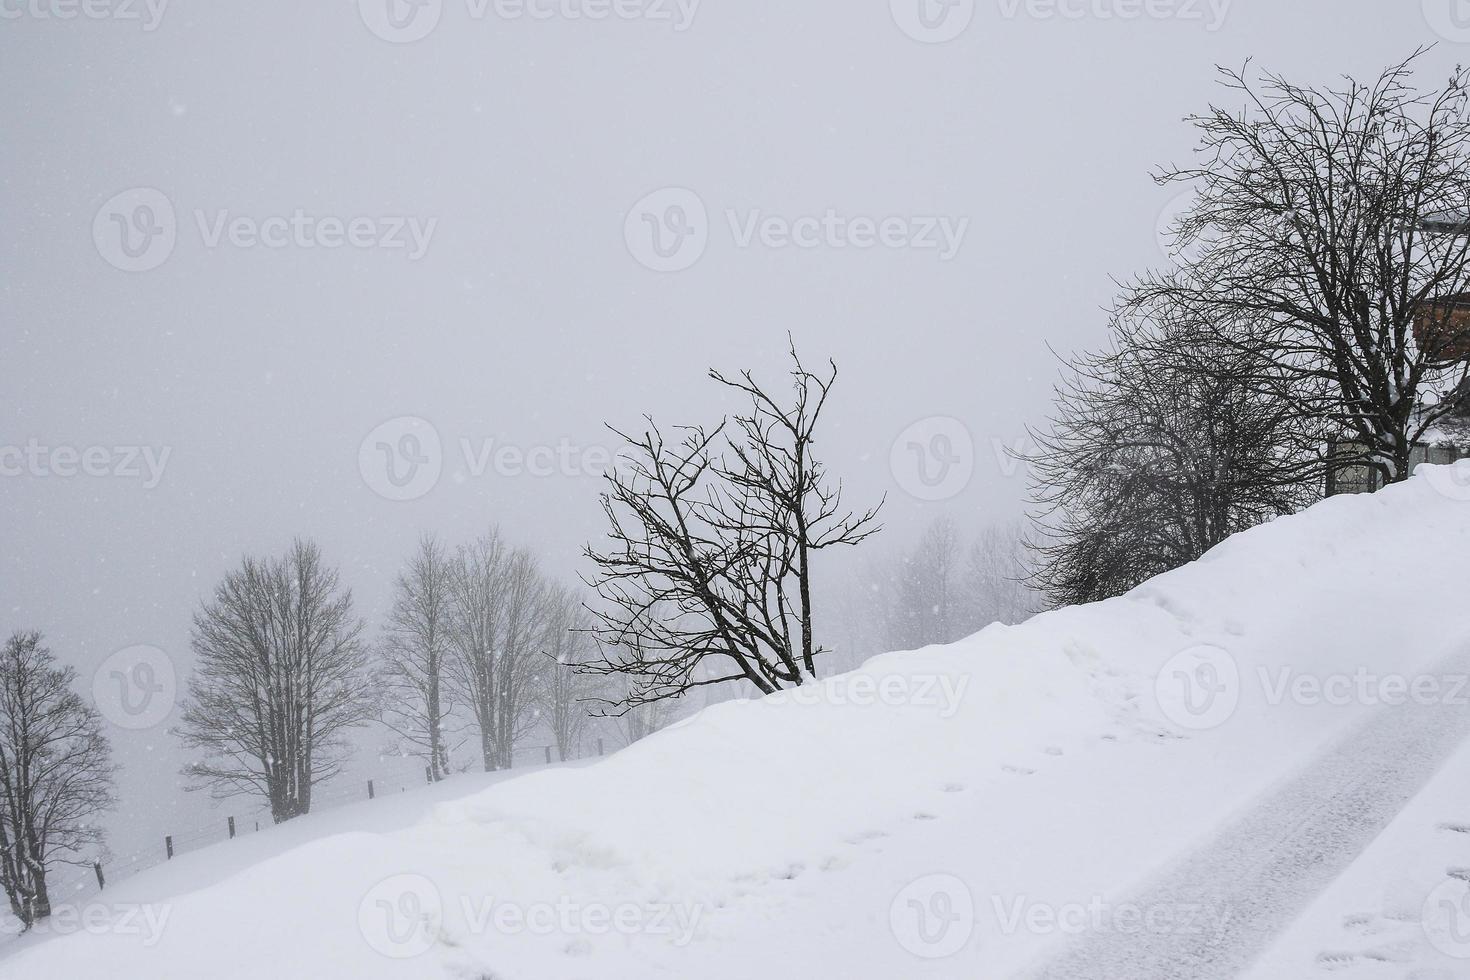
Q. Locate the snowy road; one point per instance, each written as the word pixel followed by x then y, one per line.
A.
pixel 1267 865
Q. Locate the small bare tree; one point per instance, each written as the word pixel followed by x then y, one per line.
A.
pixel 720 527
pixel 416 648
pixel 1319 223
pixel 1159 449
pixel 639 721
pixel 567 692
pixel 997 576
pixel 55 774
pixel 926 608
pixel 281 677
pixel 499 598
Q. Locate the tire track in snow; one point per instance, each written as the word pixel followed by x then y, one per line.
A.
pixel 1266 866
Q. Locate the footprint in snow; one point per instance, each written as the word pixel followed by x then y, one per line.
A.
pixel 1018 770
pixel 1455 828
pixel 1336 960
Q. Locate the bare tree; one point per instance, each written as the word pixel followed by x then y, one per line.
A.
pixel 924 609
pixel 416 647
pixel 281 676
pixel 939 590
pixel 997 578
pixel 55 774
pixel 722 527
pixel 499 599
pixel 1318 221
pixel 643 719
pixel 568 693
pixel 1161 448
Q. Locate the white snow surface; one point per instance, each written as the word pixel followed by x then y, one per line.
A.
pixel 932 814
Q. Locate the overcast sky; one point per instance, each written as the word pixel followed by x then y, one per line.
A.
pixel 243 242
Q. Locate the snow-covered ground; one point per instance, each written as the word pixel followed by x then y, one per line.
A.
pixel 965 811
pixel 1402 911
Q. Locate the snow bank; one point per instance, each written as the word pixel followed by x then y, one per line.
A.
pixel 1049 762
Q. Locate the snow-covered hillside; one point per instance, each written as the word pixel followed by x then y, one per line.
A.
pixel 959 811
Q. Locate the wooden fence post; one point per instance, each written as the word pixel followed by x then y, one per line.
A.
pixel 429 775
pixel 101 881
pixel 370 789
pixel 232 828
pixel 168 844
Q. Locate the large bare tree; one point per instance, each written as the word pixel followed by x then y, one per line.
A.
pixel 499 610
pixel 1325 222
pixel 714 534
pixel 417 645
pixel 55 774
pixel 281 677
